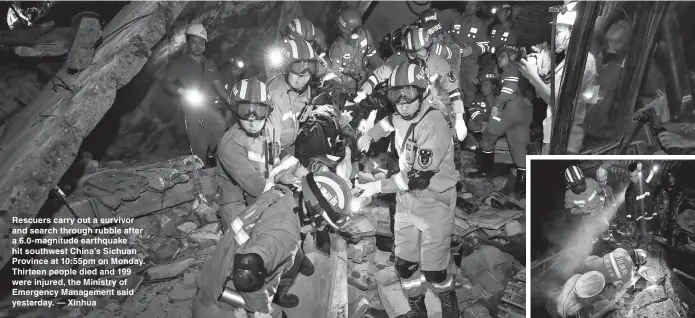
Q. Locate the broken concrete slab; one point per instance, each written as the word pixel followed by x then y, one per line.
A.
pixel 181 293
pixel 650 295
pixel 170 270
pixel 492 219
pixel 43 139
pixel 476 310
pixel 661 309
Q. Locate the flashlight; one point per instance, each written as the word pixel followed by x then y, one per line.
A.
pixel 193 97
pixel 240 64
pixel 275 57
pixel 655 168
pixel 354 34
pixel 494 10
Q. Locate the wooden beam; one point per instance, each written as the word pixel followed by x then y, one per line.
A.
pixel 337 288
pixel 42 140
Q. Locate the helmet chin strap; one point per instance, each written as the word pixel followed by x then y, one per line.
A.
pixel 298 91
pixel 250 134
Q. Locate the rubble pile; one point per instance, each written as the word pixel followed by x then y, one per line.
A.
pixel 490 278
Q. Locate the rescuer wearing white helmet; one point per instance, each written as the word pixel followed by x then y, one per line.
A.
pixel 425 189
pixel 609 205
pixel 196 81
pixel 638 199
pixel 536 68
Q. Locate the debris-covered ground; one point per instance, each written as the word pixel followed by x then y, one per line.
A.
pixel 177 240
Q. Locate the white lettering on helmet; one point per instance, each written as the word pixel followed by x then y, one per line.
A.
pixel 434 29
pixel 340 200
pixel 342 22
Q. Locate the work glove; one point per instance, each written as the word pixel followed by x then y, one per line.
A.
pixel 460 127
pixel 363 143
pixel 466 50
pixel 495 111
pixel 360 97
pixel 369 189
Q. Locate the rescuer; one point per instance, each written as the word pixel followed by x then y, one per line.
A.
pixel 482 103
pixel 353 51
pixel 536 68
pixel 598 275
pixel 583 198
pixel 511 116
pixel 425 188
pixel 502 32
pixel 443 45
pixel 196 81
pixel 608 201
pixel 246 267
pixel 299 29
pixel 290 90
pixel 470 33
pixel 638 201
pixel 438 74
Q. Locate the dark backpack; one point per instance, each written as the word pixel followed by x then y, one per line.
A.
pixel 318 135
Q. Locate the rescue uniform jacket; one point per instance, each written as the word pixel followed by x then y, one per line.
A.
pixel 396 59
pixel 289 104
pixel 429 147
pixel 615 266
pixel 480 110
pixel 198 76
pixel 275 238
pixel 510 83
pixel 471 31
pixel 241 163
pixel 501 35
pixel 450 52
pixel 638 199
pixel 438 71
pixel 588 203
pixel 354 56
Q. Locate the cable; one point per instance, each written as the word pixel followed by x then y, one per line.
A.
pixel 105 39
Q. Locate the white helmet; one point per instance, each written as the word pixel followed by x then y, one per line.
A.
pixel 601 174
pixel 198 30
pixel 567 18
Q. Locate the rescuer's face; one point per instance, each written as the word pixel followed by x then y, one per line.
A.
pixel 409 109
pixel 562 37
pixel 252 125
pixel 634 176
pixel 196 45
pixel 502 60
pixel 486 87
pixel 503 15
pixel 616 41
pixel 298 81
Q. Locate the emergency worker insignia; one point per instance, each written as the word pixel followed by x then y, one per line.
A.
pixel 451 77
pixel 425 156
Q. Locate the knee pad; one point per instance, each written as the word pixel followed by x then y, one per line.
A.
pixel 435 276
pixel 249 272
pixel 404 268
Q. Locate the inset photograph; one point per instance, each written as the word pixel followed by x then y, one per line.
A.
pixel 612 238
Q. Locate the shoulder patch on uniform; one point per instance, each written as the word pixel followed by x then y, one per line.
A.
pixel 425 157
pixel 451 76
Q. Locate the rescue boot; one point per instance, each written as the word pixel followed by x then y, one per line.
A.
pixel 286 300
pixel 307 267
pixel 450 304
pixel 417 308
pixel 520 184
pixel 486 161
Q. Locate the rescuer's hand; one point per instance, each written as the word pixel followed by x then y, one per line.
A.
pixel 495 111
pixel 460 127
pixel 360 96
pixel 370 189
pixel 364 142
pixel 671 140
pixel 466 50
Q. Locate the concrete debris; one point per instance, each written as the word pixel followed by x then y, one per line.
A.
pixel 170 270
pixel 189 279
pixel 663 309
pixel 489 268
pixel 650 295
pixel 477 310
pixel 492 219
pixel 686 221
pixel 181 293
pixel 112 307
pixel 513 227
pixel 187 227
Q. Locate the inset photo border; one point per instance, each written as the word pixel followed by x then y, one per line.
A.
pixel 611 236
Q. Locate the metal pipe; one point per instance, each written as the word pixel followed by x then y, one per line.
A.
pixel 684 275
pixel 671 58
pixel 575 62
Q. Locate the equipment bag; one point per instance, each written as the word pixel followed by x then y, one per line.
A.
pixel 318 135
